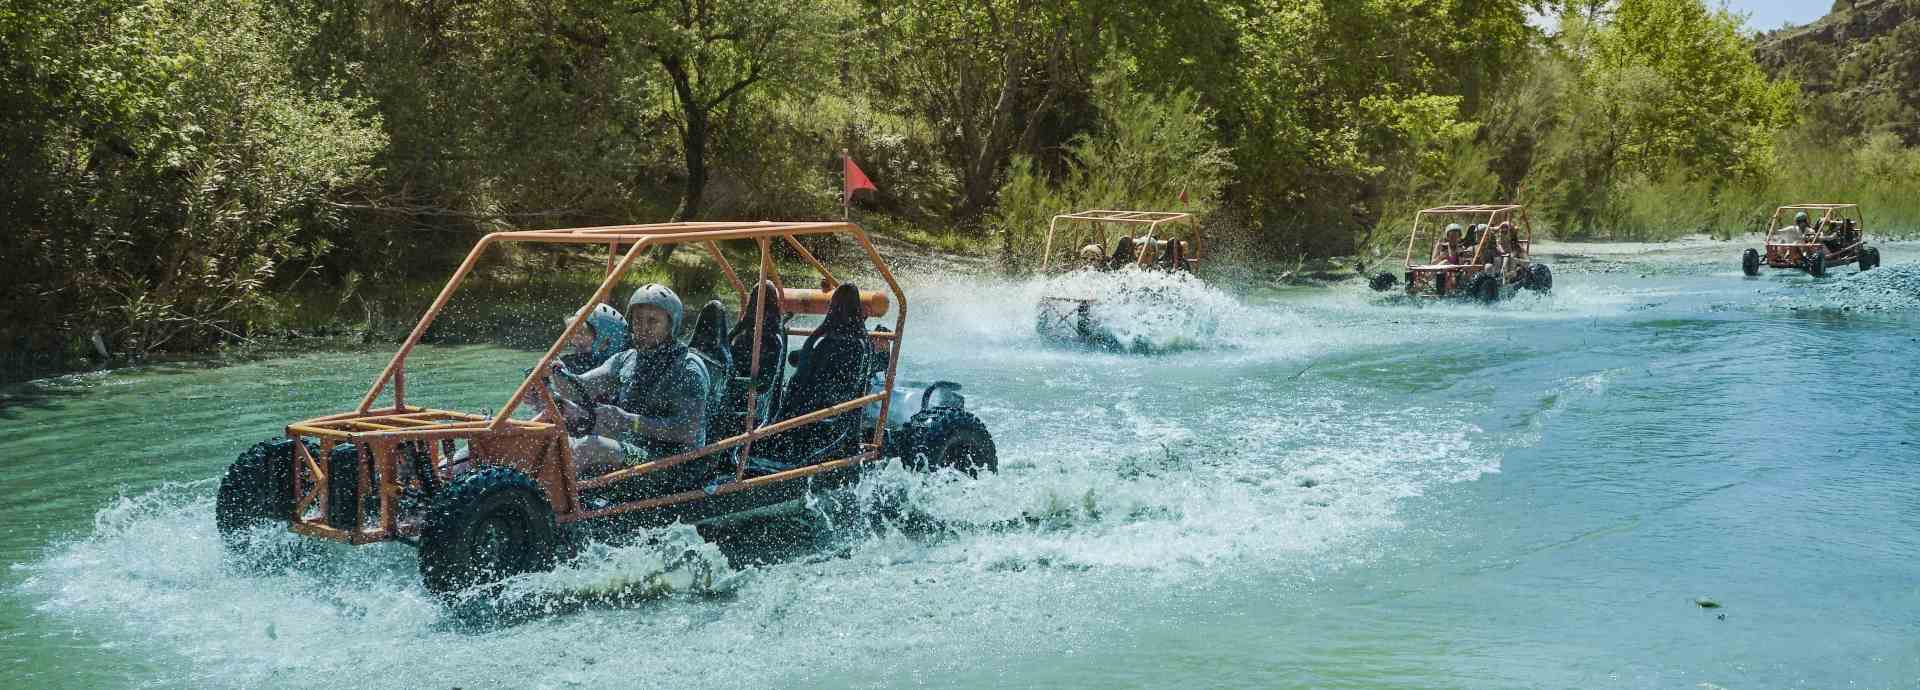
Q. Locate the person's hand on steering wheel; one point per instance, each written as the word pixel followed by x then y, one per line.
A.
pixel 578 419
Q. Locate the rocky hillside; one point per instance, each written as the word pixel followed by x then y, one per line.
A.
pixel 1860 64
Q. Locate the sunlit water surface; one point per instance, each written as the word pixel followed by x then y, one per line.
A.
pixel 1318 488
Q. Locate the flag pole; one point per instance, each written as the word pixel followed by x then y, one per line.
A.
pixel 846 193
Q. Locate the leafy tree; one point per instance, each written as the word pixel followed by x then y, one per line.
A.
pixel 1661 92
pixel 1146 153
pixel 189 170
pixel 712 52
pixel 993 76
pixel 1681 84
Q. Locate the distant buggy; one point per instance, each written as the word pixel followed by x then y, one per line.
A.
pixel 1168 241
pixel 1480 252
pixel 1819 237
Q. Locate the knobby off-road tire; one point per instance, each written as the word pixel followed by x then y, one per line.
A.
pixel 1381 282
pixel 343 486
pixel 1539 278
pixel 257 490
pixel 1817 264
pixel 1750 262
pixel 488 525
pixel 1484 288
pixel 1869 258
pixel 949 437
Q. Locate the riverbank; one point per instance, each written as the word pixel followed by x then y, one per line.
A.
pixel 497 306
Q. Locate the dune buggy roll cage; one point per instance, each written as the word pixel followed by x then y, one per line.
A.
pixel 1826 213
pixel 1514 213
pixel 1100 218
pixel 540 448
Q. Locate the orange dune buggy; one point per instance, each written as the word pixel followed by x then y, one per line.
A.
pixel 1835 237
pixel 1169 241
pixel 1480 264
pixel 488 496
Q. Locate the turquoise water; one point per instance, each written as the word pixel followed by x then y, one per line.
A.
pixel 1327 490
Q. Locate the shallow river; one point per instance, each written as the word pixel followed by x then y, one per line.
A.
pixel 1324 489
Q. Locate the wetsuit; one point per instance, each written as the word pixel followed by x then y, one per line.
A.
pixel 667 389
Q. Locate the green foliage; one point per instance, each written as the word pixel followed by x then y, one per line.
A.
pixel 1147 151
pixel 1680 89
pixel 1655 113
pixel 987 78
pixel 182 172
pixel 185 170
pixel 1323 102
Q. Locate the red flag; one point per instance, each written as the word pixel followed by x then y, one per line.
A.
pixel 1183 197
pixel 855 181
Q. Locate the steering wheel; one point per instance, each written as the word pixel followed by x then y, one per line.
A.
pixel 576 417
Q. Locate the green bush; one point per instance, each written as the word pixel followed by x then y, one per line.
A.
pixel 191 168
pixel 1147 152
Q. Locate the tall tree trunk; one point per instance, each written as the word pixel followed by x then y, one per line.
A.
pixel 984 163
pixel 693 139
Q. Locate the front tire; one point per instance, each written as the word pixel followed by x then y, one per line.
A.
pixel 1381 282
pixel 1485 288
pixel 1869 258
pixel 1817 264
pixel 950 437
pixel 488 525
pixel 1750 262
pixel 1539 278
pixel 257 490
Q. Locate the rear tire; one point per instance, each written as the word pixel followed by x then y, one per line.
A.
pixel 1539 278
pixel 1381 282
pixel 488 525
pixel 343 486
pixel 1817 264
pixel 1750 262
pixel 950 437
pixel 1484 288
pixel 257 490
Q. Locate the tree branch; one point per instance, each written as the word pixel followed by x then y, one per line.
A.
pixel 447 212
pixel 753 75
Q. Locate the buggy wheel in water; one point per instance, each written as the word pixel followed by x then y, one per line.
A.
pixel 1817 264
pixel 1485 288
pixel 950 437
pixel 1750 262
pixel 486 526
pixel 1381 282
pixel 1539 278
pixel 257 490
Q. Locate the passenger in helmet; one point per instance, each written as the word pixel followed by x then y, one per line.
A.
pixel 1090 257
pixel 646 402
pixel 1505 250
pixel 1447 250
pixel 1124 254
pixel 597 340
pixel 1802 232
